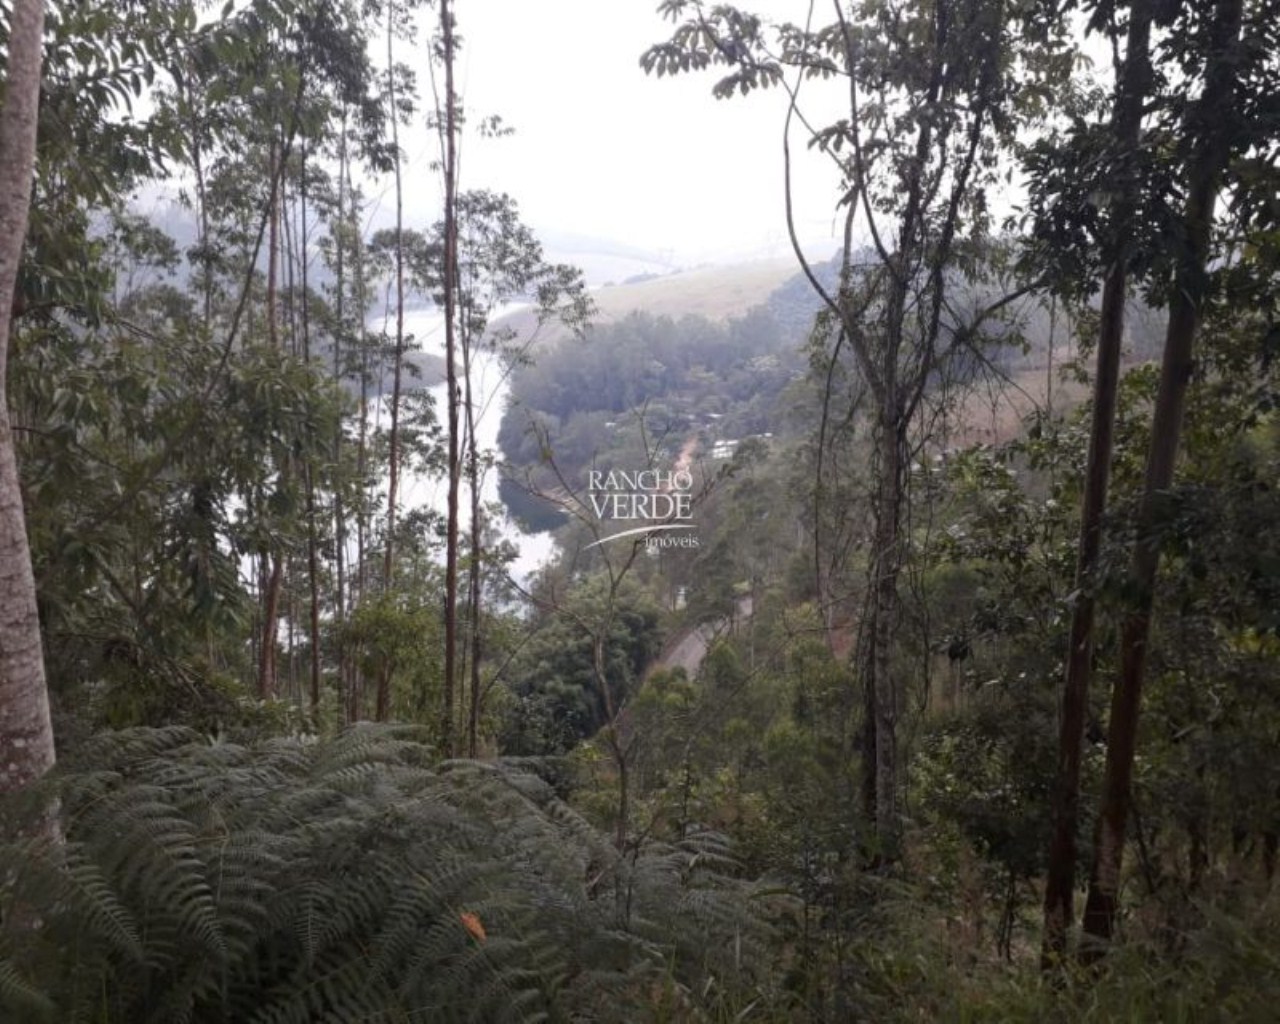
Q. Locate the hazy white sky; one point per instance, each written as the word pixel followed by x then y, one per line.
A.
pixel 605 151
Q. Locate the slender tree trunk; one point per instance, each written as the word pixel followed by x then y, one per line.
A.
pixel 339 512
pixel 891 426
pixel 365 510
pixel 451 379
pixel 1059 912
pixel 388 560
pixel 267 670
pixel 289 256
pixel 887 565
pixel 291 641
pixel 868 784
pixel 366 378
pixel 273 251
pixel 473 720
pixel 474 579
pixel 1208 123
pixel 26 733
pixel 393 455
pixel 1048 371
pixel 612 733
pixel 203 241
pixel 313 544
pixel 382 696
pixel 621 758
pixel 822 573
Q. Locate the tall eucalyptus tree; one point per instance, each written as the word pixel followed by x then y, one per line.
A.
pixel 447 118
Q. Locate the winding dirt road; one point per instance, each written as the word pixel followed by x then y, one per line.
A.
pixel 688 647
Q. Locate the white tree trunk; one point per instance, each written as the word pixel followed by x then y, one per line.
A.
pixel 26 735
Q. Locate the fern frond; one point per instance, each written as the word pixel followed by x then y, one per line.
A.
pixel 20 999
pixel 352 880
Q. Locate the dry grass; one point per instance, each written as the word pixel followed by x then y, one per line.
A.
pixel 717 293
pixel 997 414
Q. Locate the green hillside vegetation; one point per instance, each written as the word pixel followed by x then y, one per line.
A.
pixel 646 380
pixel 686 382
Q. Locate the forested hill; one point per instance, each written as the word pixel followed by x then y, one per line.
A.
pixel 645 378
pixel 707 357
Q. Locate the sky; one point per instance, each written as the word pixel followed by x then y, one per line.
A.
pixel 603 152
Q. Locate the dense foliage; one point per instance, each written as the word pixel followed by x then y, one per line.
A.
pixel 352 879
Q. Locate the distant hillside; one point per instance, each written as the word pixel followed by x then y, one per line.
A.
pixel 717 293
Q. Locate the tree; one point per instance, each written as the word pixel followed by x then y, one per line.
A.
pixel 498 261
pixel 400 104
pixel 1132 86
pixel 152 412
pixel 1212 133
pixel 447 123
pixel 935 93
pixel 26 732
pixel 608 562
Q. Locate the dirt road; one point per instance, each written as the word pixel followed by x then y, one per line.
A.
pixel 690 646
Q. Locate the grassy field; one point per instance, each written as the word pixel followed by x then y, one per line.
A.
pixel 715 292
pixel 718 293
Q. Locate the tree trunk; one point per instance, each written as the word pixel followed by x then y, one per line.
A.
pixel 612 732
pixel 887 564
pixel 26 733
pixel 451 381
pixel 393 454
pixel 313 544
pixel 196 145
pixel 474 580
pixel 355 682
pixel 1059 912
pixel 382 697
pixel 270 626
pixel 620 757
pixel 1208 123
pixel 267 673
pixel 868 787
pixel 892 418
pixel 339 512
pixel 273 249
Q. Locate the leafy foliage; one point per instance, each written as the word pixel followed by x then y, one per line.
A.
pixel 295 880
pixel 556 698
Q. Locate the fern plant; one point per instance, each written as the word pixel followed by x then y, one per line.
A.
pixel 289 881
